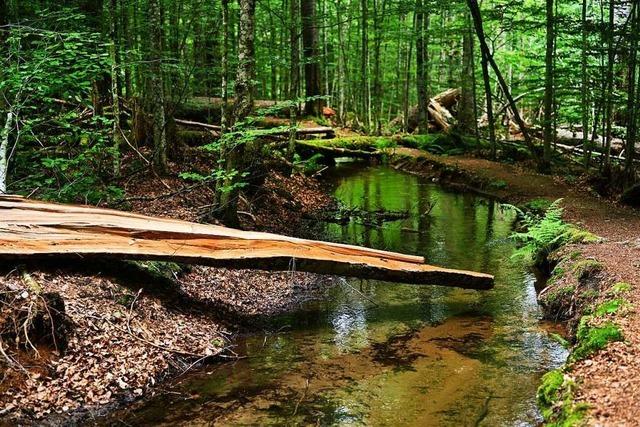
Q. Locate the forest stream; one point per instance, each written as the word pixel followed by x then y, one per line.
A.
pixel 386 354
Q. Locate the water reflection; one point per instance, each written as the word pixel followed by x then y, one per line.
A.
pixel 376 353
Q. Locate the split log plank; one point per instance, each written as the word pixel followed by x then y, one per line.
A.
pixel 33 230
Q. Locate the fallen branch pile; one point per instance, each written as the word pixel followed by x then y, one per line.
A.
pixel 31 230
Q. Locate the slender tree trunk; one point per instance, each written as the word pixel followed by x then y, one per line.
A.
pixel 313 105
pixel 156 94
pixel 224 124
pixel 489 102
pixel 585 105
pixel 126 35
pixel 341 63
pixel 421 69
pixel 379 12
pixel 294 41
pixel 477 19
pixel 632 108
pixel 243 107
pixel 610 86
pixel 549 135
pixel 273 48
pixel 407 84
pixel 364 65
pixel 5 135
pixel 466 115
pixel 115 99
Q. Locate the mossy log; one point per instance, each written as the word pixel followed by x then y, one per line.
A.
pixel 33 230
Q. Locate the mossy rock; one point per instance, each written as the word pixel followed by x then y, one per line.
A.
pixel 593 338
pixel 556 303
pixel 556 401
pixel 586 269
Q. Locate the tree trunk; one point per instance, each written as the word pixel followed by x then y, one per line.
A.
pixel 34 230
pixel 294 41
pixel 156 94
pixel 364 64
pixel 610 86
pixel 477 19
pixel 466 114
pixel 115 100
pixel 421 68
pixel 584 101
pixel 225 66
pixel 378 19
pixel 489 103
pixel 243 107
pixel 549 135
pixel 632 108
pixel 313 105
pixel 5 134
pixel 342 75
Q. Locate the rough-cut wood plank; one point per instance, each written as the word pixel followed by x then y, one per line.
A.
pixel 31 229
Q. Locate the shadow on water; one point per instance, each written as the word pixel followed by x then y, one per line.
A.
pixel 376 353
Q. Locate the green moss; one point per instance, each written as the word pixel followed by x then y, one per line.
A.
pixel 620 288
pixel 498 184
pixel 560 293
pixel 555 399
pixel 159 269
pixel 577 235
pixel 538 206
pixel 609 307
pixel 591 339
pixel 575 255
pixel 586 268
pixel 550 390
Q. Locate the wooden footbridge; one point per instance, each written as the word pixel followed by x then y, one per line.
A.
pixel 31 230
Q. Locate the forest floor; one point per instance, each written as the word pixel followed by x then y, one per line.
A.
pixel 132 327
pixel 128 326
pixel 609 380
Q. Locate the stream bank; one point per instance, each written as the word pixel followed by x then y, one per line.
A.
pixel 123 328
pixel 376 353
pixel 103 317
pixel 595 285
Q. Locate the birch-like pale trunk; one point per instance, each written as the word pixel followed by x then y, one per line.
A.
pixel 4 152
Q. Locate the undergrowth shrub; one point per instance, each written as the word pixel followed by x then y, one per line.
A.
pixel 546 233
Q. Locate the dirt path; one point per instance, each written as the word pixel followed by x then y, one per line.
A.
pixel 609 380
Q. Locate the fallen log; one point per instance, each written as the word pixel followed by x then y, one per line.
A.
pixel 332 151
pixel 34 230
pixel 191 123
pixel 328 132
pixel 440 107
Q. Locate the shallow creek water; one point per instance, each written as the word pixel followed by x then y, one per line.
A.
pixel 375 353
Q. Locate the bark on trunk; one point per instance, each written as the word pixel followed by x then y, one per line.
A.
pixel 157 88
pixel 466 114
pixel 313 105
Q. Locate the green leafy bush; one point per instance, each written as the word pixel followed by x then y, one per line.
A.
pixel 545 234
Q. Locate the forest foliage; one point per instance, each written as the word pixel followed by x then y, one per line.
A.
pixel 85 84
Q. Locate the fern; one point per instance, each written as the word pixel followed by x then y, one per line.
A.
pixel 544 234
